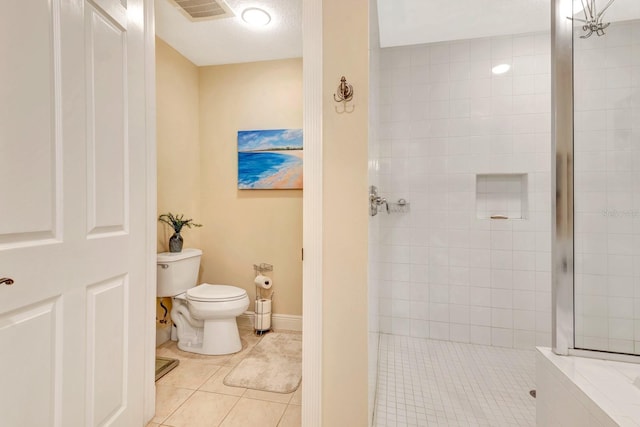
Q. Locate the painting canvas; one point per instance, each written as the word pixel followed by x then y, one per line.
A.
pixel 270 159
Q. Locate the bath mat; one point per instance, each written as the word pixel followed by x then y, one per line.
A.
pixel 274 364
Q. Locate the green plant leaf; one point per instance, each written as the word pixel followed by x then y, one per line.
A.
pixel 177 221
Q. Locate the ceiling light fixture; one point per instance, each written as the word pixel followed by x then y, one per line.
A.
pixel 501 69
pixel 256 17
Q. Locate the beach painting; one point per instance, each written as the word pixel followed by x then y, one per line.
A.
pixel 270 159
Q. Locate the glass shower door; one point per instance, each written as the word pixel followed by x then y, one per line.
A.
pixel 606 62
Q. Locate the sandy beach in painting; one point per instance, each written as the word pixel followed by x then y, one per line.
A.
pixel 286 178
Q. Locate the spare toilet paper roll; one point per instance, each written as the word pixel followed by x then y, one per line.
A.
pixel 264 282
pixel 263 306
pixel 263 315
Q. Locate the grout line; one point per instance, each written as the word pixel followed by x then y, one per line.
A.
pixel 179 406
pixel 229 411
pixel 471 384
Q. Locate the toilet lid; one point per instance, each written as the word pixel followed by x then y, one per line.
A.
pixel 219 293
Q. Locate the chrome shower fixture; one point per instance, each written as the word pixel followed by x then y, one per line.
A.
pixel 592 22
pixel 376 201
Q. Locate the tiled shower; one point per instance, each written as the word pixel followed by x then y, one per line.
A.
pixel 462 145
pixel 469 263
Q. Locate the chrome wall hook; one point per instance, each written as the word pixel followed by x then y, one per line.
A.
pixel 344 94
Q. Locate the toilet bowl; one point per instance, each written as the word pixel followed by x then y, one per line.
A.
pixel 204 316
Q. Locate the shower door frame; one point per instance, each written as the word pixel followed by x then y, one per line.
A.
pixel 562 207
pixel 562 233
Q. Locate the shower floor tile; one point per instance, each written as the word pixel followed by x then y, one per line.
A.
pixel 425 382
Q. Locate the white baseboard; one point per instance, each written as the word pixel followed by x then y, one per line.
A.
pixel 285 322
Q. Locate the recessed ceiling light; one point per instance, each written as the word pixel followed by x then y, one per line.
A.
pixel 500 69
pixel 256 17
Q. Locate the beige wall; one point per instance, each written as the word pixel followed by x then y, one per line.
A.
pixel 178 142
pixel 199 113
pixel 246 227
pixel 345 217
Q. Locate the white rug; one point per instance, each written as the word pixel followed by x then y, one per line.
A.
pixel 274 364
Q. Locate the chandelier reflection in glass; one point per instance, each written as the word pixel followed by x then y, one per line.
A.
pixel 592 22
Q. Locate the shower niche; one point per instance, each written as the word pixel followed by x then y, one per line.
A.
pixel 502 196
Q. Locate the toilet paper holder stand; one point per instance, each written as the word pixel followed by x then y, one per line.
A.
pixel 262 321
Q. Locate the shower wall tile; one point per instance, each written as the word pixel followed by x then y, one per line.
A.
pixel 445 118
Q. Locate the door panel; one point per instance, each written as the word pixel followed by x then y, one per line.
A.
pixel 29 122
pixel 107 325
pixel 106 136
pixel 39 378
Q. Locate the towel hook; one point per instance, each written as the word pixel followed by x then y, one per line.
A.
pixel 344 94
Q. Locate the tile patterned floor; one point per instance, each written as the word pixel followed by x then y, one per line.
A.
pixel 438 383
pixel 193 395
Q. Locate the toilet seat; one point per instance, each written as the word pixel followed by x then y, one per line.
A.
pixel 215 293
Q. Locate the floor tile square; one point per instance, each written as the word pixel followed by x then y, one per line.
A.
pixel 292 417
pixel 202 409
pixel 251 412
pixel 215 383
pixel 189 374
pixel 168 399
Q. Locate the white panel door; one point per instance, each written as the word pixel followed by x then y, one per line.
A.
pixel 72 213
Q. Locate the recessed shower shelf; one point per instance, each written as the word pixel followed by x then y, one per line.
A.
pixel 501 196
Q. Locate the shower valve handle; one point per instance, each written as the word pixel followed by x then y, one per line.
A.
pixel 375 201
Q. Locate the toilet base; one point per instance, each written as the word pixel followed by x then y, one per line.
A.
pixel 217 337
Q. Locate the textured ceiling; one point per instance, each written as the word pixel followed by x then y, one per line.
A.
pixel 230 40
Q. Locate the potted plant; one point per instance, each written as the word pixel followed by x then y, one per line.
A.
pixel 177 222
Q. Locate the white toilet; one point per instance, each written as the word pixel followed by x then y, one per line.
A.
pixel 204 315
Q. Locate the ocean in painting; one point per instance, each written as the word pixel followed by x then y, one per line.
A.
pixel 254 169
pixel 270 159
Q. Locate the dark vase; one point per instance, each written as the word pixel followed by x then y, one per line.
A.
pixel 175 242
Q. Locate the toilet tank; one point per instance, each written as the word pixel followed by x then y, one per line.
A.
pixel 177 271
